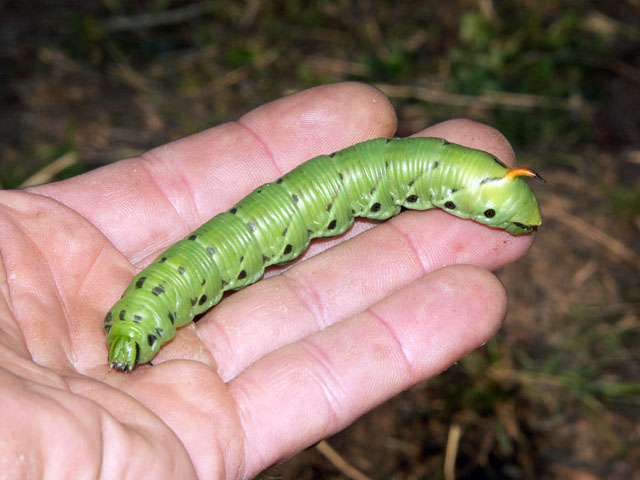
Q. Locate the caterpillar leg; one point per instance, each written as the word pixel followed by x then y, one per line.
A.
pixel 124 353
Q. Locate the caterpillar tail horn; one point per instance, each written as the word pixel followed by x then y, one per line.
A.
pixel 525 172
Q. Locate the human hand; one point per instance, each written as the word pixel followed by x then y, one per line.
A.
pixel 272 369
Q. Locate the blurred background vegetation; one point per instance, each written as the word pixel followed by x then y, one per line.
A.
pixel 556 393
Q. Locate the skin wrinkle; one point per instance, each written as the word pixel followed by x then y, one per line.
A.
pixel 237 389
pixel 146 165
pixel 68 318
pixel 104 468
pixel 222 464
pixel 195 403
pixel 56 396
pixel 133 435
pixel 176 173
pixel 291 281
pixel 218 333
pixel 408 365
pixel 392 225
pixel 262 143
pixel 242 467
pixel 241 470
pixel 16 365
pixel 127 432
pixel 93 264
pixel 65 309
pixel 5 283
pixel 58 294
pixel 321 359
pixel 9 295
pixel 14 333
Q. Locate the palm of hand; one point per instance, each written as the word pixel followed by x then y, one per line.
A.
pixel 292 362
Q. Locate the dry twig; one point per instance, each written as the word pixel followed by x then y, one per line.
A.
pixel 453 442
pixel 339 462
pixel 154 19
pixel 47 173
pixel 486 100
pixel 591 232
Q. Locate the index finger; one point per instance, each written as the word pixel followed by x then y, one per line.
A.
pixel 145 203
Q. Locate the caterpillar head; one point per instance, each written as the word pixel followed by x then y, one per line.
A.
pixel 505 202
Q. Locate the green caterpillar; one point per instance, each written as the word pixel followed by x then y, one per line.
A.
pixel 319 198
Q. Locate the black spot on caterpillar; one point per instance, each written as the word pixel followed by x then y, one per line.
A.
pixel 320 198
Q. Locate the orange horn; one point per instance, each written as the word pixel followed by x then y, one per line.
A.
pixel 526 172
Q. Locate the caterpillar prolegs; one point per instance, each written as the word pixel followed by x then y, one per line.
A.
pixel 320 198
